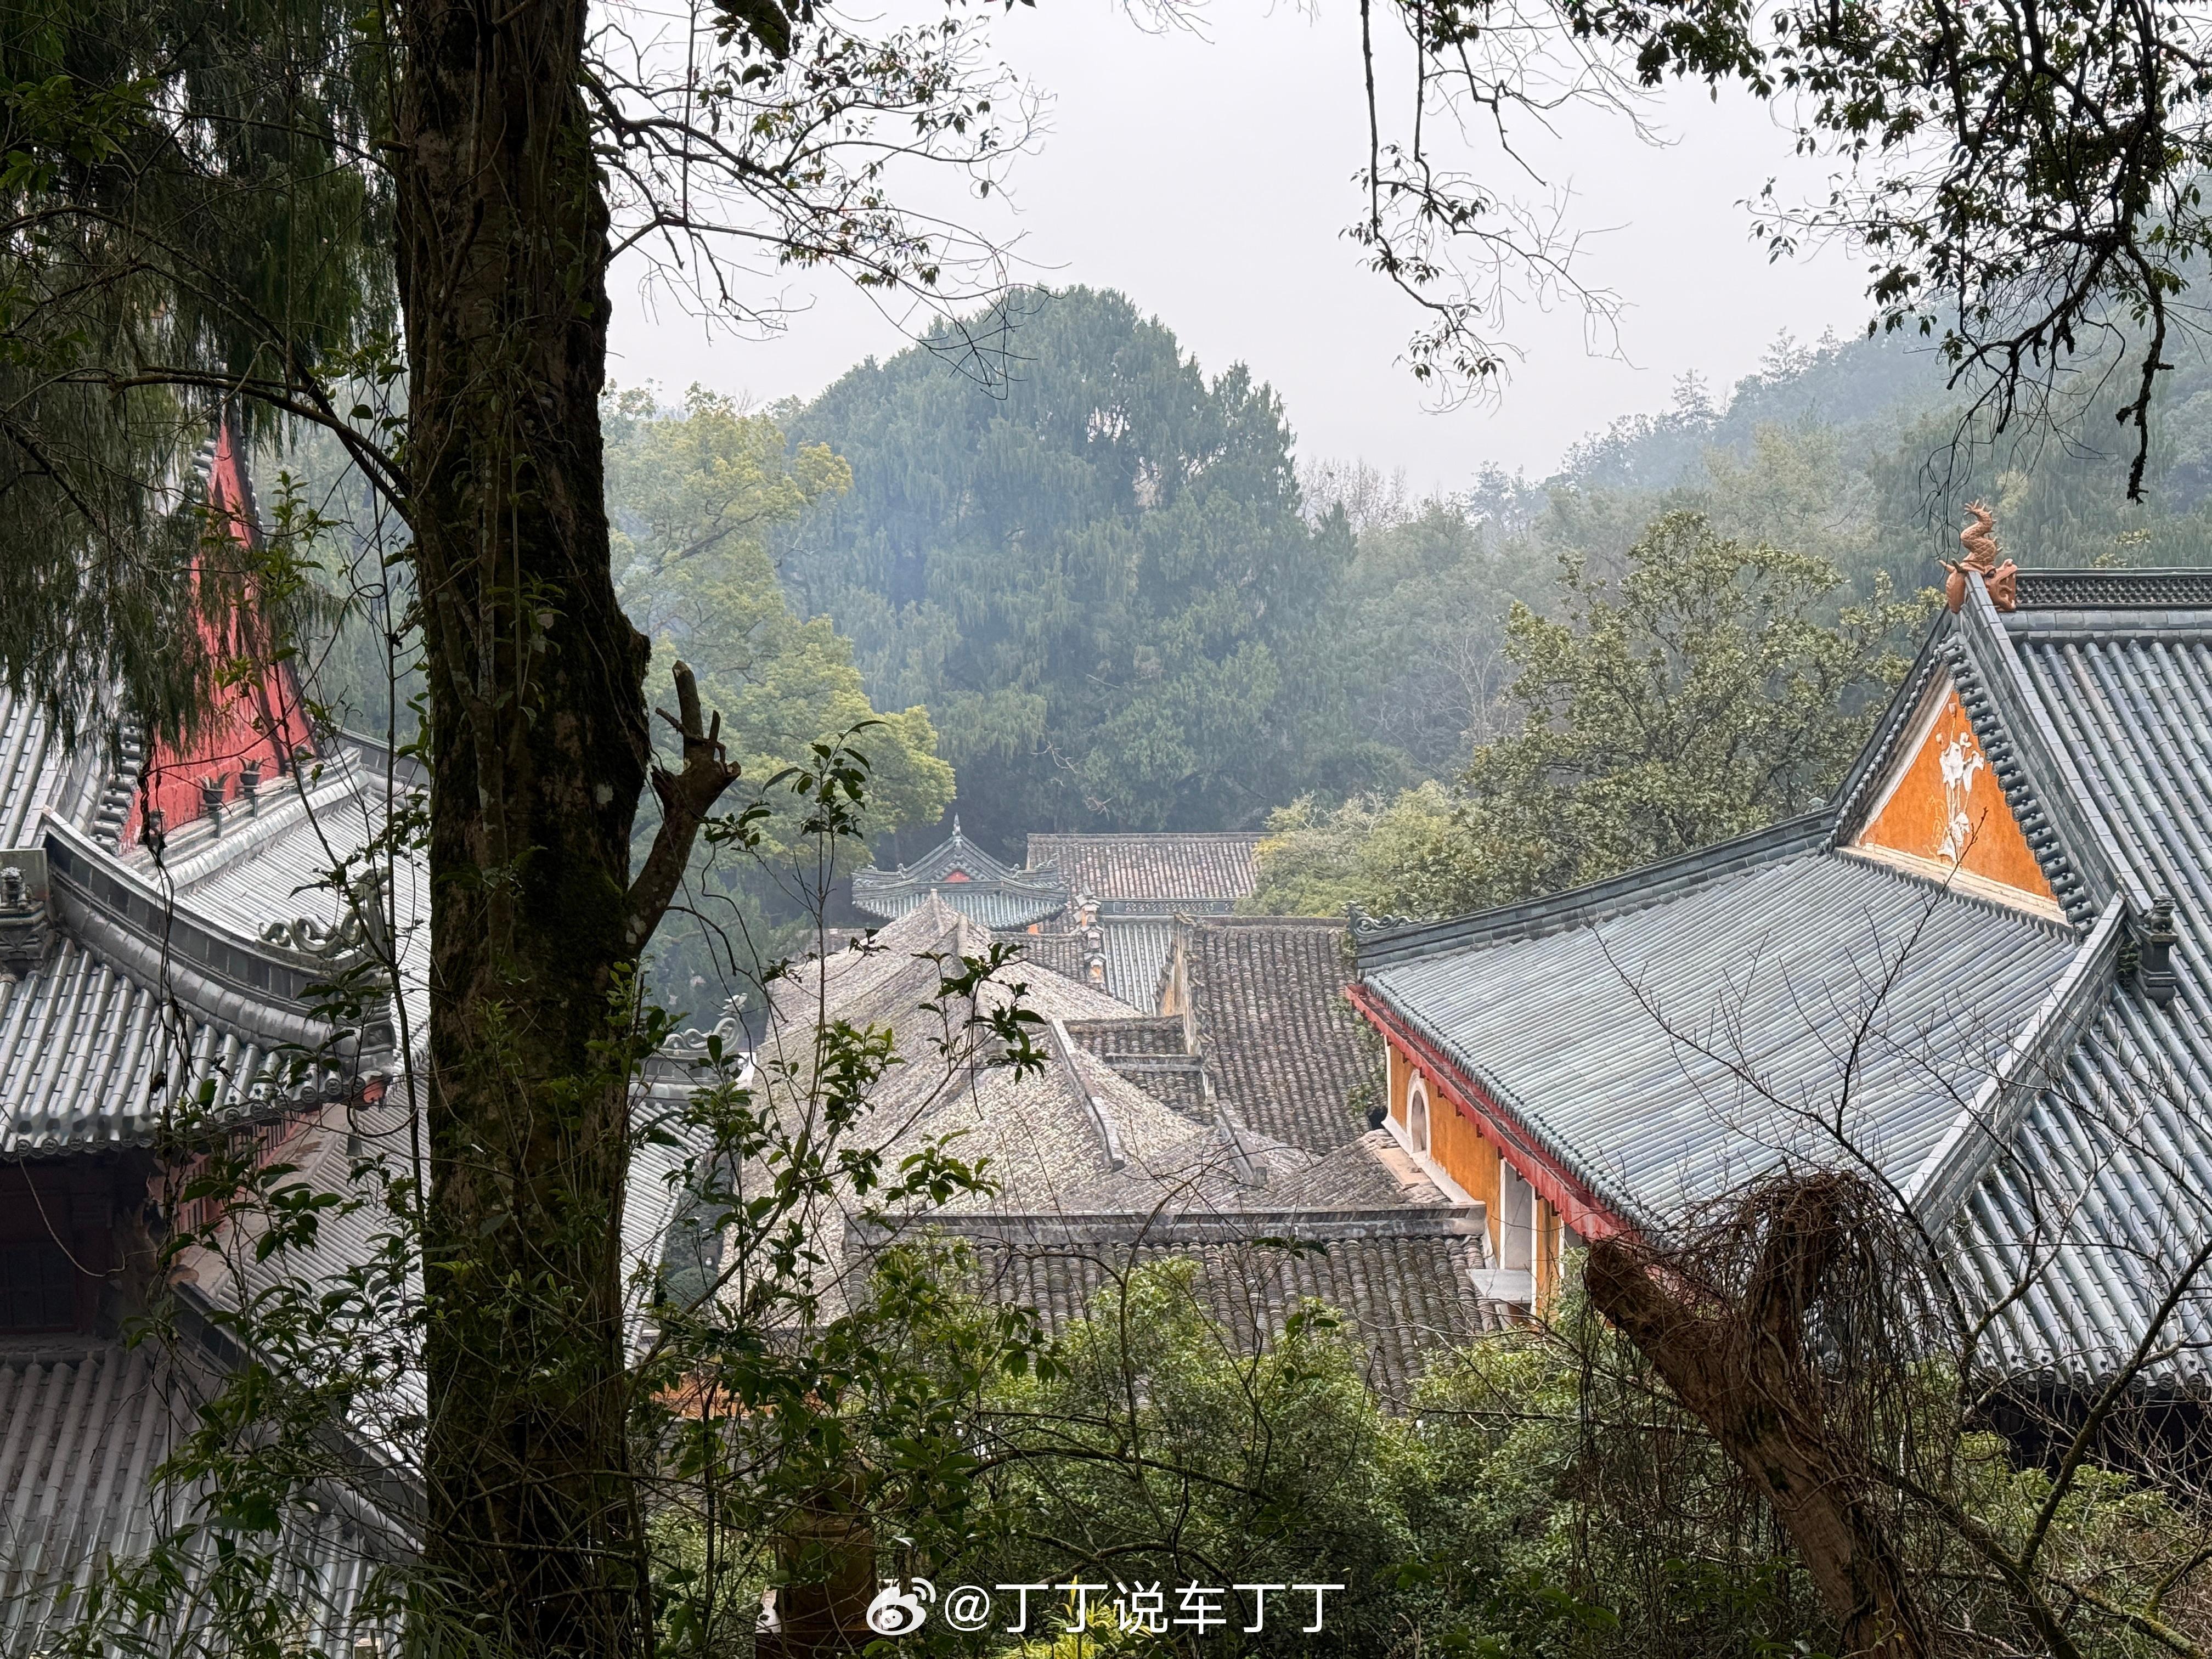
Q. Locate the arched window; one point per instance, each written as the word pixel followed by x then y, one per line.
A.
pixel 1417 1114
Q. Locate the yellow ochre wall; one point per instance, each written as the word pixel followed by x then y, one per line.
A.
pixel 1460 1149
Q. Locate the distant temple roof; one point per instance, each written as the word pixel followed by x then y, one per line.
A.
pixel 1135 885
pixel 969 880
pixel 1172 870
pixel 1120 1152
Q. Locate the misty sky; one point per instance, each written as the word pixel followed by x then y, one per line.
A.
pixel 1209 176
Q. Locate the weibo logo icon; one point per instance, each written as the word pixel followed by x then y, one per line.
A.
pixel 899 1610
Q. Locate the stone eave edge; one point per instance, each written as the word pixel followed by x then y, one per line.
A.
pixel 1985 1125
pixel 197 963
pixel 1379 943
pixel 1551 1171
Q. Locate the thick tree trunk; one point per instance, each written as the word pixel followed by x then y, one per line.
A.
pixel 540 745
pixel 1742 1371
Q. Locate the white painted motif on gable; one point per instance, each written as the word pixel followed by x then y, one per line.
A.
pixel 1959 763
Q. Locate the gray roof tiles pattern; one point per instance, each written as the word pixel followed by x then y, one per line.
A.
pixel 1281 1046
pixel 1669 1052
pixel 82 1431
pixel 1665 1035
pixel 1151 866
pixel 1048 1157
pixel 1405 1297
pixel 2107 1193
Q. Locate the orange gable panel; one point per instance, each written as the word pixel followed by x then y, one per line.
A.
pixel 1945 813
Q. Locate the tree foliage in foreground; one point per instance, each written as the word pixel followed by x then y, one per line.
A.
pixel 398 224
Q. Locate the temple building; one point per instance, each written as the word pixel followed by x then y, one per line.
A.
pixel 1977 975
pixel 1221 1129
pixel 171 925
pixel 170 921
pixel 1101 908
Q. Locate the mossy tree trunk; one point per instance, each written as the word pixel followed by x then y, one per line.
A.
pixel 538 726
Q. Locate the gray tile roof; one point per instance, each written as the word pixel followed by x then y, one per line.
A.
pixel 156 979
pixel 1282 1047
pixel 1136 950
pixel 1163 867
pixel 2107 1192
pixel 38 776
pixel 1402 1276
pixel 1133 948
pixel 1665 1052
pixel 1113 1127
pixel 2029 1086
pixel 82 1429
pixel 968 878
pixel 1061 952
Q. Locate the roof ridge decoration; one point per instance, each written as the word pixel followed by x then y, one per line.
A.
pixel 1980 539
pixel 1198 1044
pixel 2153 587
pixel 120 789
pixel 958 863
pixel 1109 1138
pixel 245 987
pixel 1148 835
pixel 1199 1226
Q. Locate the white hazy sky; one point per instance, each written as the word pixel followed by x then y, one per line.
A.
pixel 1208 175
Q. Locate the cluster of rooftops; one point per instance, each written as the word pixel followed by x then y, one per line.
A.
pixel 1976 974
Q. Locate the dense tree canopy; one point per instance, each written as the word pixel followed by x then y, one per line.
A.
pixel 693 494
pixel 1699 695
pixel 1093 570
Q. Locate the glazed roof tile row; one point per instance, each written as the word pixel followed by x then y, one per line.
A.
pixel 156 982
pixel 2106 1193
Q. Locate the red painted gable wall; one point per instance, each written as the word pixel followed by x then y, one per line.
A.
pixel 261 719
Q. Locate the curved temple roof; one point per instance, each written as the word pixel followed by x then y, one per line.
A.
pixel 2020 1040
pixel 130 985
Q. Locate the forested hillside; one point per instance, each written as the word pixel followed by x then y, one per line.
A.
pixel 1091 566
pixel 1631 659
pixel 1128 603
pixel 1107 593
